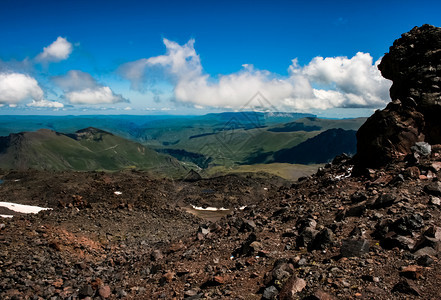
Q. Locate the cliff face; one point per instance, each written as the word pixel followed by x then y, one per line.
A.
pixel 414 65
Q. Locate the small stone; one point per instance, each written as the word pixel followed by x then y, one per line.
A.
pixel 433 188
pixel 247 225
pixel 399 241
pixel 246 249
pixel 104 291
pixel 322 240
pixel 157 255
pixel 422 148
pixel 290 289
pixel 425 251
pixel 306 237
pixel 425 241
pixel 384 200
pixel 412 172
pixel 433 232
pixel 204 231
pixel 356 210
pixel 85 291
pixel 219 280
pixel 358 197
pixel 435 201
pixel 412 272
pixel 307 222
pixel 270 293
pixel 425 260
pixel 436 166
pixel 168 277
pixel 190 293
pixel 354 247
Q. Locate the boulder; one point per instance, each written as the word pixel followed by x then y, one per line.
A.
pixel 413 115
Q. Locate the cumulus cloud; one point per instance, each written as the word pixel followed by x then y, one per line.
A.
pixel 75 80
pixel 98 95
pixel 323 83
pixel 45 104
pixel 59 50
pixel 17 87
pixel 81 88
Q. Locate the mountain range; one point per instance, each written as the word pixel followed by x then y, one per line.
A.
pixel 172 144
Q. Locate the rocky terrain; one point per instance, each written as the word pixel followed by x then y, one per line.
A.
pixel 361 228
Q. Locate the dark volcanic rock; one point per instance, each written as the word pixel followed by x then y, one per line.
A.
pixel 406 287
pixel 354 247
pixel 414 65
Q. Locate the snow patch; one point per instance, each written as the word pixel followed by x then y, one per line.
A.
pixel 21 208
pixel 117 193
pixel 6 216
pixel 346 175
pixel 208 208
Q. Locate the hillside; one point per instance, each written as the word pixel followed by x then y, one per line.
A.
pixel 320 149
pixel 87 149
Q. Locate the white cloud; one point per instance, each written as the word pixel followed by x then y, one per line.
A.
pixel 17 87
pixel 75 80
pixel 59 50
pixel 98 95
pixel 323 83
pixel 45 103
pixel 82 88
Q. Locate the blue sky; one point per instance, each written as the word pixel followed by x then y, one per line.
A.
pixel 185 57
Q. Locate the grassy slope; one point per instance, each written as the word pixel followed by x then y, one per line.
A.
pixel 234 146
pixel 46 149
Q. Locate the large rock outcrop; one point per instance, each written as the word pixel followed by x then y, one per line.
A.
pixel 414 65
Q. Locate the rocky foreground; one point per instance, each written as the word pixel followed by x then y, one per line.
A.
pixel 368 227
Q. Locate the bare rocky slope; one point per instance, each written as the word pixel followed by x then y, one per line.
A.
pixel 373 234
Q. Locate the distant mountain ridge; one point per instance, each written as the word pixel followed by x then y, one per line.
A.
pixel 84 150
pixel 217 139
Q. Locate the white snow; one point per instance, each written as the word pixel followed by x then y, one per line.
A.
pixel 5 216
pixel 208 208
pixel 21 208
pixel 117 193
pixel 342 176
